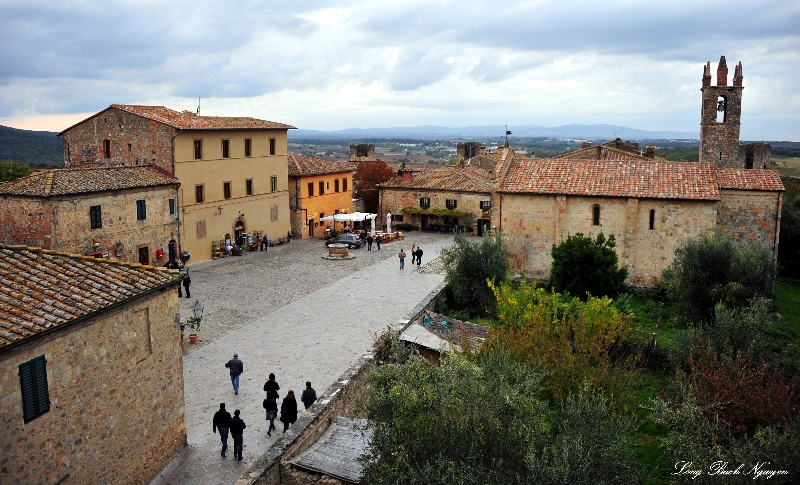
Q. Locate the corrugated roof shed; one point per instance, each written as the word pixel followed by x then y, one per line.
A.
pixel 41 289
pixel 336 452
pixel 67 181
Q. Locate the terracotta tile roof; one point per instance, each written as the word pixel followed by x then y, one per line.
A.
pixel 454 177
pixel 656 180
pixel 741 179
pixel 41 290
pixel 603 152
pixel 187 120
pixel 301 166
pixel 67 181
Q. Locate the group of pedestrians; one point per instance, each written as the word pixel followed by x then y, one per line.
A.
pixel 187 280
pixel 235 425
pixel 367 237
pixel 416 255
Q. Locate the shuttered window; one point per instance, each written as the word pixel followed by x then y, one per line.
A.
pixel 33 382
pixel 141 210
pixel 171 206
pixel 95 218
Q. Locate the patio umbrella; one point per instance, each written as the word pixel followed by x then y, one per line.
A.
pixel 388 222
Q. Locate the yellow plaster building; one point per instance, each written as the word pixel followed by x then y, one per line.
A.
pixel 232 170
pixel 318 188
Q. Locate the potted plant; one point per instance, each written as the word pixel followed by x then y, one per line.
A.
pixel 193 323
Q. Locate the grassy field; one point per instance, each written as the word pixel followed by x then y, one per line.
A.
pixel 788 166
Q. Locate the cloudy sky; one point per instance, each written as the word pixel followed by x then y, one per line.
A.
pixel 331 65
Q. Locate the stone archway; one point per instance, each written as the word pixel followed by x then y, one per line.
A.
pixel 239 229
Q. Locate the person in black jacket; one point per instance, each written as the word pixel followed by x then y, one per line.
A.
pixel 187 281
pixel 237 368
pixel 288 410
pixel 221 420
pixel 271 387
pixel 271 405
pixel 237 426
pixel 419 256
pixel 309 396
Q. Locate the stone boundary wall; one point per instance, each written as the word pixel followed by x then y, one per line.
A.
pixel 345 397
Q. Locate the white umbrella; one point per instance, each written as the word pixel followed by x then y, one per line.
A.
pixel 388 222
pixel 372 223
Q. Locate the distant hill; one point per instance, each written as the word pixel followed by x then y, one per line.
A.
pixel 588 132
pixel 36 148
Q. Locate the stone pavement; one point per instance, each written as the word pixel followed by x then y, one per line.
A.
pixel 290 312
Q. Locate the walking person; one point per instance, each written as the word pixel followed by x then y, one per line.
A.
pixel 271 387
pixel 369 242
pixel 187 280
pixel 221 420
pixel 413 253
pixel 174 264
pixel 309 395
pixel 237 368
pixel 237 426
pixel 271 406
pixel 402 257
pixel 288 410
pixel 419 256
pixel 264 243
pixel 378 241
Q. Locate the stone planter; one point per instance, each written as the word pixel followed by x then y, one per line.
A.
pixel 338 252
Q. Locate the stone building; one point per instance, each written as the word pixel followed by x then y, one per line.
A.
pixel 318 188
pixel 720 121
pixel 92 383
pixel 232 170
pixel 362 152
pixel 650 208
pixel 124 213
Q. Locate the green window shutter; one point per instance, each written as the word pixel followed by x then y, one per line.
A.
pixel 141 210
pixel 95 217
pixel 33 383
pixel 171 206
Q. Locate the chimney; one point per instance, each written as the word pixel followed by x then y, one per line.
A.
pixel 722 72
pixel 707 74
pixel 651 151
pixel 737 75
pixel 506 144
pixel 586 144
pixel 407 176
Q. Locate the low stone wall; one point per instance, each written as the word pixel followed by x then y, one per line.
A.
pixel 346 397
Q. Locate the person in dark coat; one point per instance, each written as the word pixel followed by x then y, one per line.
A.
pixel 187 280
pixel 237 368
pixel 378 241
pixel 288 410
pixel 271 387
pixel 271 406
pixel 309 395
pixel 419 257
pixel 363 237
pixel 237 426
pixel 413 253
pixel 369 242
pixel 174 264
pixel 264 243
pixel 221 420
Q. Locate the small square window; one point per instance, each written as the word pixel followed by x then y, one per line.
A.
pixel 272 146
pixel 248 185
pixel 226 190
pixel 226 148
pixel 311 189
pixel 129 147
pixel 198 149
pixel 248 147
pixel 486 204
pixel 273 184
pixel 199 195
pixel 141 210
pixel 425 202
pixel 33 384
pixel 95 217
pixel 171 207
pixel 451 203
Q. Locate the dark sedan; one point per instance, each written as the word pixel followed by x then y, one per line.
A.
pixel 351 240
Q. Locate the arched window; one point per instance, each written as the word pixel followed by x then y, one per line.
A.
pixel 596 215
pixel 652 219
pixel 722 109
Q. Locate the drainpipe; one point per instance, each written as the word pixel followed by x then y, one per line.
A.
pixel 777 225
pixel 500 225
pixel 177 199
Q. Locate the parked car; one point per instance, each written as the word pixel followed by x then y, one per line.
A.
pixel 351 240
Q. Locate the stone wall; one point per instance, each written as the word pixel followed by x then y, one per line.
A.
pixel 346 397
pixel 27 221
pixel 116 396
pixel 134 140
pixel 362 152
pixel 532 224
pixel 393 200
pixel 750 216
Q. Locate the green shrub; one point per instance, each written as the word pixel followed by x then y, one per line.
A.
pixel 469 265
pixel 405 227
pixel 11 170
pixel 584 265
pixel 711 270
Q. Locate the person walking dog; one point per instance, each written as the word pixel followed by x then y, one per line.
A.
pixel 237 368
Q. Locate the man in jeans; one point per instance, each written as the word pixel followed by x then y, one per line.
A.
pixel 237 427
pixel 237 367
pixel 221 420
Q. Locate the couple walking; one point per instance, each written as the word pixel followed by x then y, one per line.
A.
pixel 235 425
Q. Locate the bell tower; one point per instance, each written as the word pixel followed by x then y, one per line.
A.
pixel 720 117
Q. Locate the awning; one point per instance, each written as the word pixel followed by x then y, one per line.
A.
pixel 352 217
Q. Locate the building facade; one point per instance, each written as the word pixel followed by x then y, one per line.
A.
pixel 124 213
pixel 318 188
pixel 232 170
pixel 92 381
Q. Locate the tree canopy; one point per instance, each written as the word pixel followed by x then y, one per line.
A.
pixel 368 175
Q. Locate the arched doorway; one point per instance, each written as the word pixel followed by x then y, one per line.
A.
pixel 173 250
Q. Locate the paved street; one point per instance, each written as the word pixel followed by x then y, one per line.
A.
pixel 291 312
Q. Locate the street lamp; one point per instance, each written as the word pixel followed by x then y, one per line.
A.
pixel 194 321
